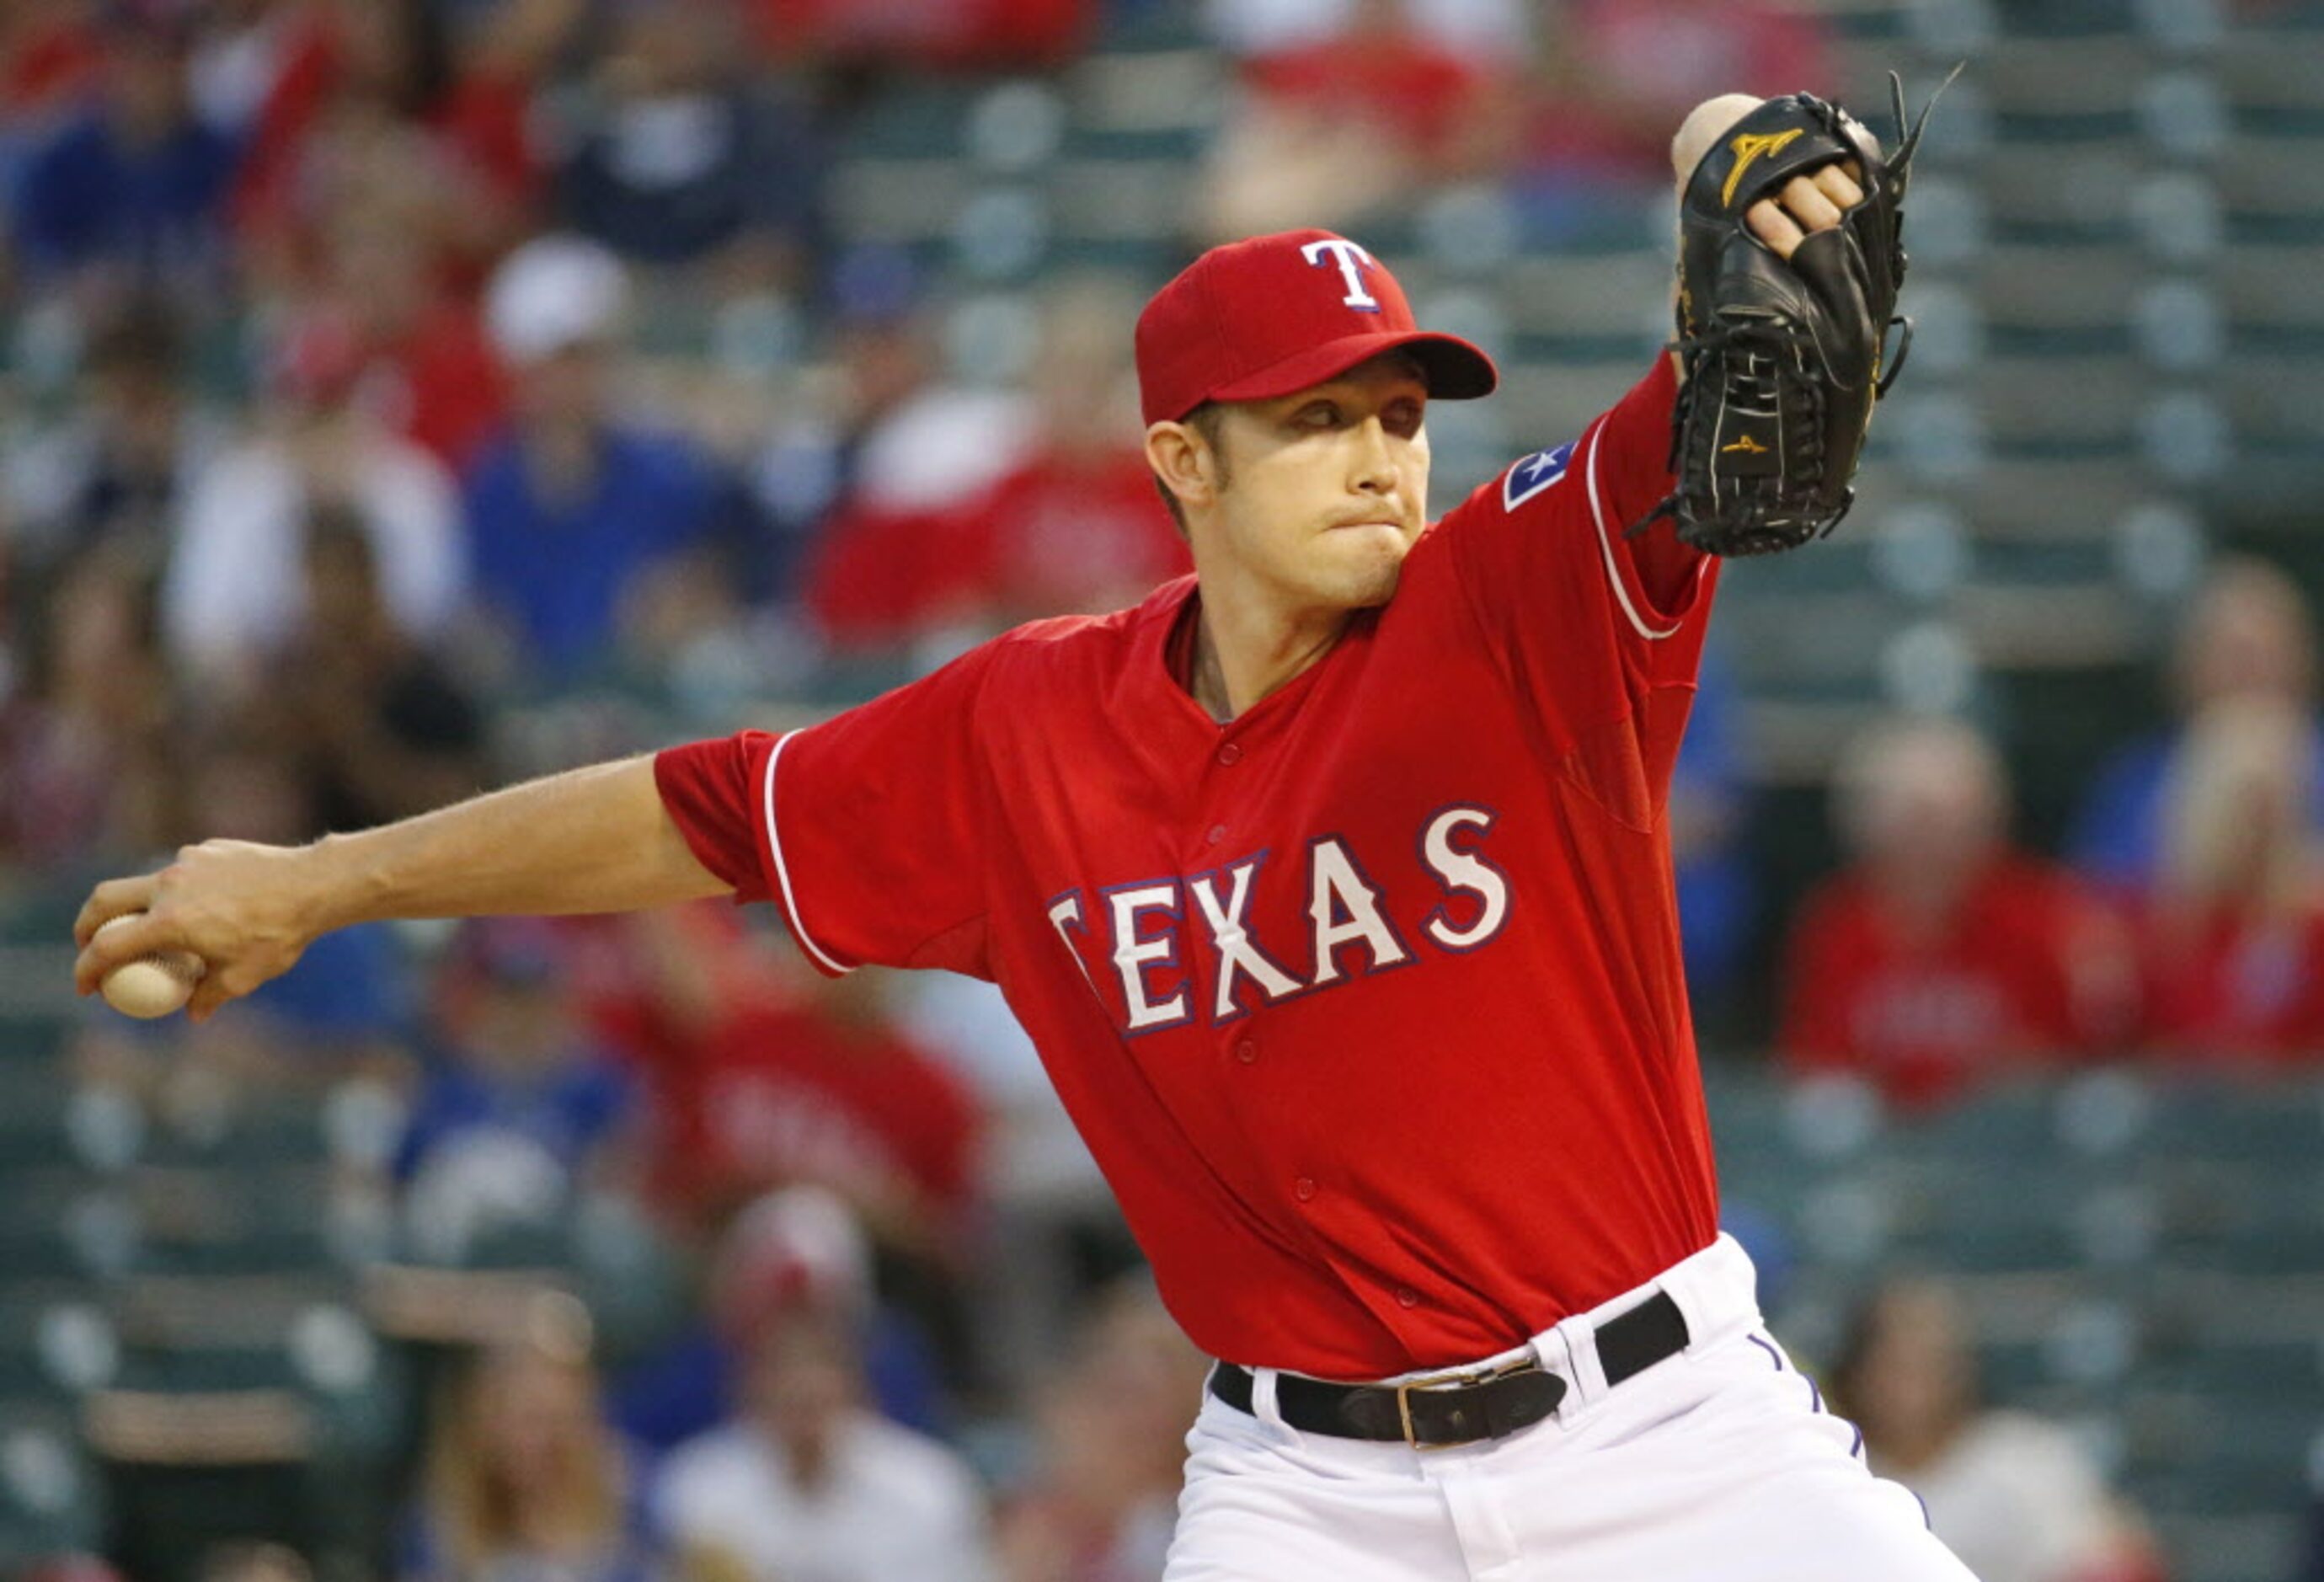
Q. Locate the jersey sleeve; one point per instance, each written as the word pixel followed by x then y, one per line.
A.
pixel 867 830
pixel 1600 628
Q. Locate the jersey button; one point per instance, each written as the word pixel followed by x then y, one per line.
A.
pixel 1230 754
pixel 1218 833
pixel 1303 1188
pixel 1247 1050
pixel 1405 1296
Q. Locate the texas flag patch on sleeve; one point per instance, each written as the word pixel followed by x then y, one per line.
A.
pixel 1536 473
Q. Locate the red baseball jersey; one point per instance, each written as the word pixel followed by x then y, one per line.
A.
pixel 2029 969
pixel 1368 1003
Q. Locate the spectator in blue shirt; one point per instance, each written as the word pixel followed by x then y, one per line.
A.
pixel 798 1244
pixel 1718 892
pixel 520 1107
pixel 687 159
pixel 2249 634
pixel 128 194
pixel 571 508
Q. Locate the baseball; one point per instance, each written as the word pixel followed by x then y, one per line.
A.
pixel 151 985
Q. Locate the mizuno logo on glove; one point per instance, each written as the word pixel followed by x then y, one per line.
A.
pixel 1747 149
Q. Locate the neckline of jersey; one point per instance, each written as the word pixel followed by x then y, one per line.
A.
pixel 1173 610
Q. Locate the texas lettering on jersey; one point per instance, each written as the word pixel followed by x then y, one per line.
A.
pixel 1134 941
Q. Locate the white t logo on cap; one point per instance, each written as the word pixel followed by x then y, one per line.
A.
pixel 1352 260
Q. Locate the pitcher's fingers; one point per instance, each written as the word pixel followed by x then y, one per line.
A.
pixel 1837 185
pixel 140 935
pixel 109 901
pixel 218 985
pixel 1774 226
pixel 1806 203
pixel 209 994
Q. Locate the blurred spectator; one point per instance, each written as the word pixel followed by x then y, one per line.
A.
pixel 127 195
pixel 2015 1497
pixel 1075 527
pixel 654 980
pixel 826 1089
pixel 1943 955
pixel 233 591
pixel 1618 75
pixel 879 490
pixel 376 725
pixel 427 371
pixel 501 54
pixel 524 1478
pixel 86 766
pixel 1718 893
pixel 572 507
pixel 1111 1422
pixel 51 51
pixel 1355 123
pixel 765 1083
pixel 2235 923
pixel 2249 633
pixel 806 1481
pixel 352 127
pixel 114 473
pixel 688 159
pixel 520 1107
pixel 799 1245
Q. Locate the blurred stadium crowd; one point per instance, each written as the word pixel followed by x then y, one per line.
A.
pixel 403 396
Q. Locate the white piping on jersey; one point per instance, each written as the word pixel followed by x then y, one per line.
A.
pixel 782 870
pixel 1606 546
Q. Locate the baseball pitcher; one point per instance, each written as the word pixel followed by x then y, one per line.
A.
pixel 1332 883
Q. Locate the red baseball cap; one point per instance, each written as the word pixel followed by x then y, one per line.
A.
pixel 1275 314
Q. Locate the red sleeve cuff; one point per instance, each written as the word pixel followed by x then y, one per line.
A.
pixel 706 787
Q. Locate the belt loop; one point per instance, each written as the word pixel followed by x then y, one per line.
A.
pixel 1714 1290
pixel 1556 1349
pixel 1263 1404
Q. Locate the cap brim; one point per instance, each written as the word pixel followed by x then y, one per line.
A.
pixel 1456 370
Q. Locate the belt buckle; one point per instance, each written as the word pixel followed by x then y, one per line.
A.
pixel 1453 1379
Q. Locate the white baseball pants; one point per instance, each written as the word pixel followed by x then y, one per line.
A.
pixel 1717 1465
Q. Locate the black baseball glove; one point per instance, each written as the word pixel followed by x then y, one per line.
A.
pixel 1783 359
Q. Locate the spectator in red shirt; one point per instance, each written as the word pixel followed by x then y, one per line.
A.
pixel 50 53
pixel 1074 528
pixel 877 495
pixel 364 119
pixel 1617 74
pixel 1354 122
pixel 823 1089
pixel 1942 954
pixel 827 1091
pixel 427 371
pixel 2233 933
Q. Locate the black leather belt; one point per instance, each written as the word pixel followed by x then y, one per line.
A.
pixel 1461 1405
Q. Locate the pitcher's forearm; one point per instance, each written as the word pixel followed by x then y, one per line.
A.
pixel 593 839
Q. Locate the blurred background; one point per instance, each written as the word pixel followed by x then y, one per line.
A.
pixel 399 397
